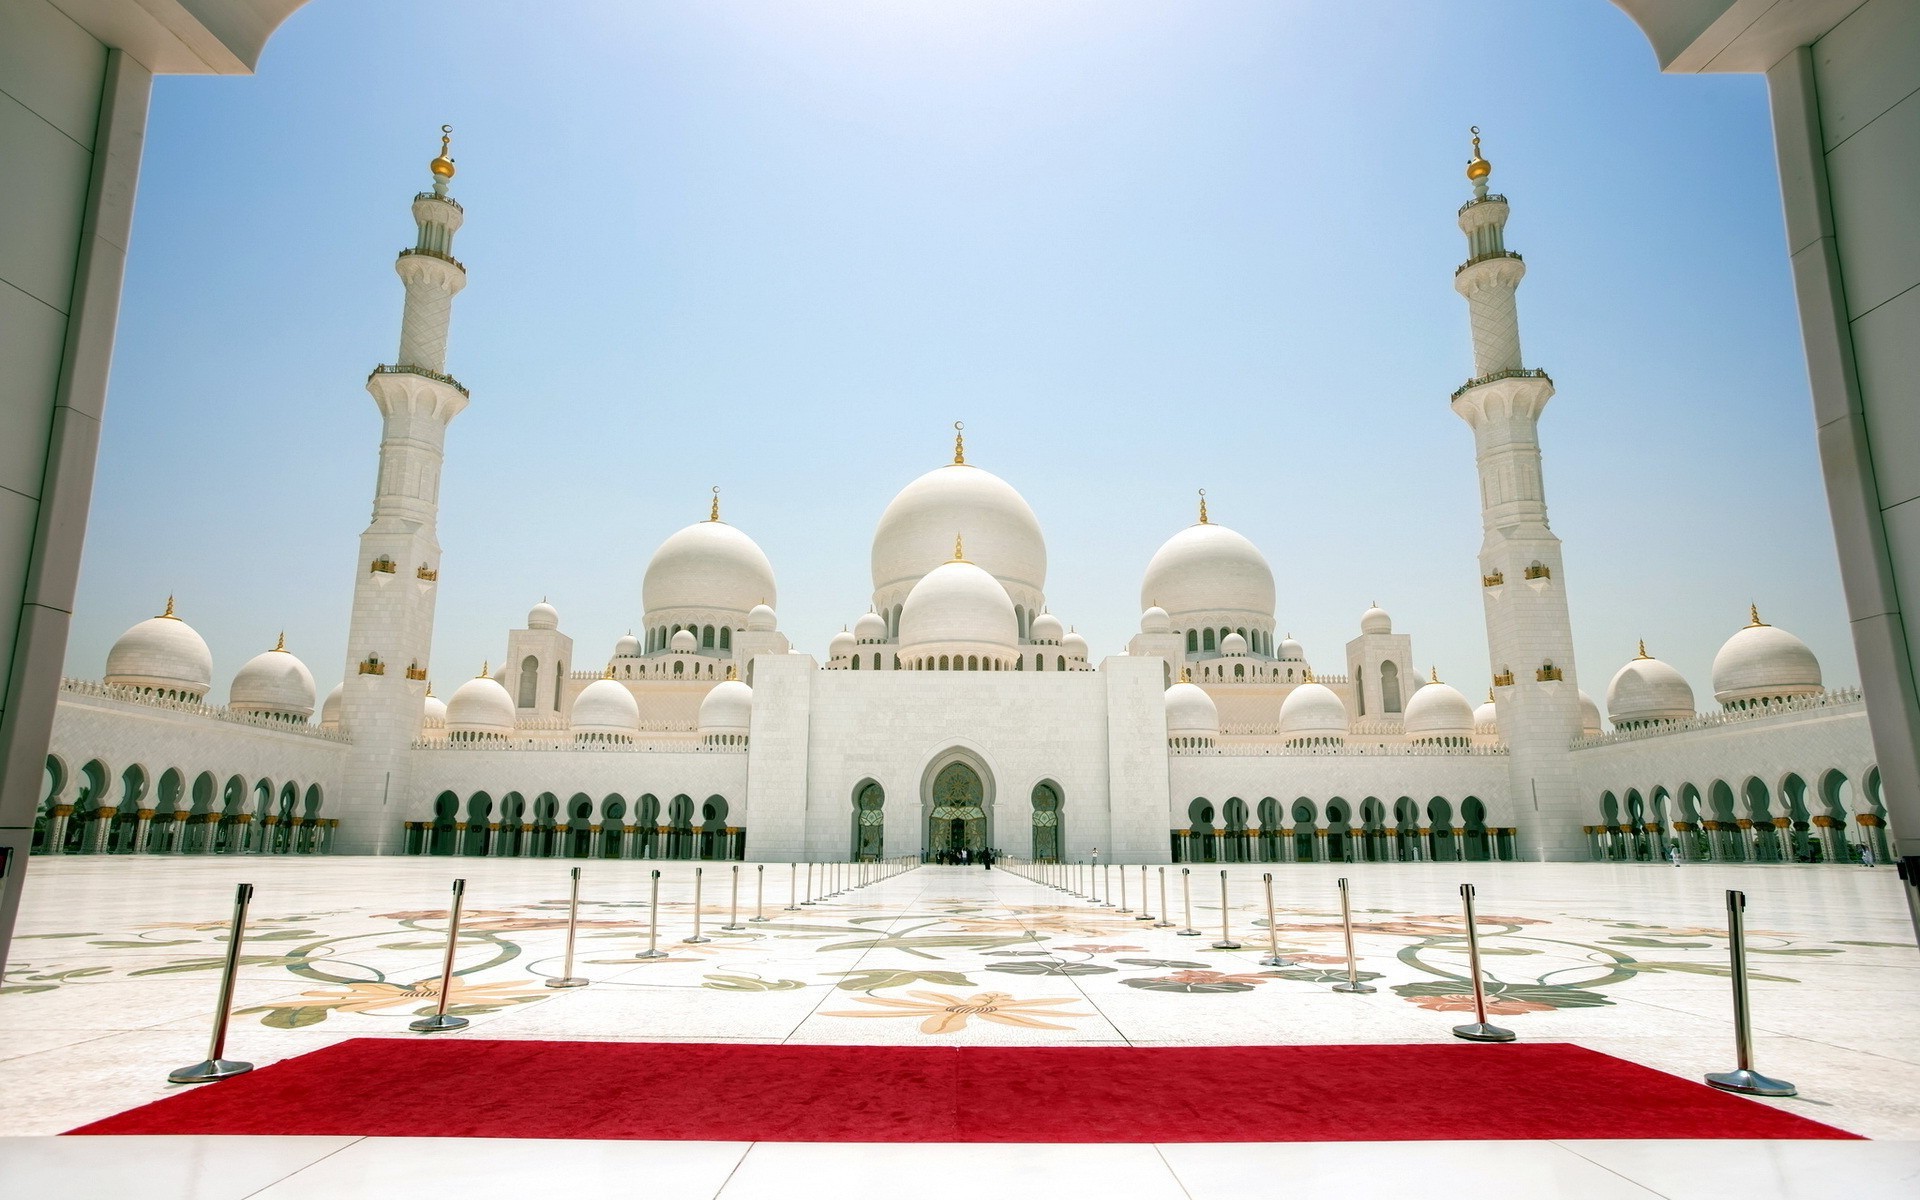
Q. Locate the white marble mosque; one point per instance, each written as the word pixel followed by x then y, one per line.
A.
pixel 958 711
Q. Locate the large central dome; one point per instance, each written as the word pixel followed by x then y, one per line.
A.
pixel 916 533
pixel 711 565
pixel 1209 569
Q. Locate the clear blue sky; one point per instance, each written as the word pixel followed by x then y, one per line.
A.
pixel 1140 248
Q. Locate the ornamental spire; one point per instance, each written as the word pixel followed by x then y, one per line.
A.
pixel 1433 673
pixel 1643 650
pixel 442 167
pixel 1753 615
pixel 486 669
pixel 169 612
pixel 959 552
pixel 280 647
pixel 1478 168
pixel 1203 506
pixel 713 512
pixel 959 444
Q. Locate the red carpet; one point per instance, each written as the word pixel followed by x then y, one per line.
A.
pixel 686 1091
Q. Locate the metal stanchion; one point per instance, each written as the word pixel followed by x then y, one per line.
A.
pixel 793 886
pixel 1186 898
pixel 1163 923
pixel 759 895
pixel 1479 1031
pixel 1124 907
pixel 1273 958
pixel 696 938
pixel 1743 1078
pixel 440 1020
pixel 653 949
pixel 1106 882
pixel 567 978
pixel 809 899
pixel 1143 914
pixel 1353 985
pixel 733 904
pixel 1226 941
pixel 216 1067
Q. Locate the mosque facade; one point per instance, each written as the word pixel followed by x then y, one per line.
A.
pixel 958 712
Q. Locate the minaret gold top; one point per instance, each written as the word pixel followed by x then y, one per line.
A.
pixel 1478 168
pixel 713 513
pixel 1203 506
pixel 959 444
pixel 443 166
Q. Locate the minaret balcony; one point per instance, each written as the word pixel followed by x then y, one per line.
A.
pixel 462 267
pixel 1490 198
pixel 436 376
pixel 1497 376
pixel 438 199
pixel 1475 261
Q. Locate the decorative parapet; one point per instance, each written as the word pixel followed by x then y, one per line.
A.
pixel 527 744
pixel 1509 373
pixel 88 687
pixel 1548 673
pixel 1408 750
pixel 444 200
pixel 416 672
pixel 1488 256
pixel 1840 698
pixel 406 369
pixel 1493 580
pixel 1503 679
pixel 427 573
pixel 450 260
pixel 383 565
pixel 1539 571
pixel 1489 198
pixel 373 666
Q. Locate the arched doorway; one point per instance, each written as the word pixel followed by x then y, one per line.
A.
pixel 956 811
pixel 869 822
pixel 1046 823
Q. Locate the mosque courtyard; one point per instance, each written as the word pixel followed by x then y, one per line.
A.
pixel 116 965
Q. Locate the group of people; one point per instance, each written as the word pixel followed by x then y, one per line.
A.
pixel 964 857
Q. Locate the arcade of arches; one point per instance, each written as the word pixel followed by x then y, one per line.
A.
pixel 97 810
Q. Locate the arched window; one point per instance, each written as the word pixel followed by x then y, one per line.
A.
pixel 856 662
pixel 1060 663
pixel 876 662
pixel 726 637
pixel 1390 687
pixel 1039 662
pixel 559 683
pixel 1206 640
pixel 679 667
pixel 943 662
pixel 529 681
pixel 706 637
pixel 1193 641
pixel 1239 671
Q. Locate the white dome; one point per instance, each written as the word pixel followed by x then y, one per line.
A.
pixel 1589 717
pixel 1376 620
pixel 1075 646
pixel 1155 620
pixel 480 706
pixel 728 708
pixel 162 653
pixel 1208 568
pixel 1647 689
pixel 1292 651
pixel 1313 710
pixel 330 707
pixel 1761 662
pixel 916 532
pixel 841 646
pixel 1486 718
pixel 1190 712
pixel 710 565
pixel 1046 630
pixel 627 647
pixel 871 627
pixel 1233 644
pixel 958 603
pixel 683 642
pixel 761 619
pixel 275 682
pixel 1437 710
pixel 605 707
pixel 543 616
pixel 433 709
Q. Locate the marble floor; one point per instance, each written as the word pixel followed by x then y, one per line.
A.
pixel 115 966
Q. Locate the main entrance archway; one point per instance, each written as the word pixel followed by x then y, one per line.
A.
pixel 956 811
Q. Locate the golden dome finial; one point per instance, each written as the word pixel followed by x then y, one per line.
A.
pixel 280 647
pixel 486 669
pixel 1186 674
pixel 1203 506
pixel 1753 616
pixel 1478 168
pixel 959 444
pixel 1489 695
pixel 713 512
pixel 1433 673
pixel 1643 650
pixel 169 612
pixel 429 687
pixel 959 552
pixel 442 167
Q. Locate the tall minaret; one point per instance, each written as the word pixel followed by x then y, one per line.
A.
pixel 1529 635
pixel 398 571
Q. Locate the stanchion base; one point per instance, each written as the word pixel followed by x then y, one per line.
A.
pixel 1481 1032
pixel 1223 944
pixel 730 928
pixel 1189 933
pixel 1750 1083
pixel 758 920
pixel 207 1072
pixel 569 981
pixel 1161 925
pixel 1144 917
pixel 695 940
pixel 1367 989
pixel 791 908
pixel 651 954
pixel 437 1023
pixel 1275 960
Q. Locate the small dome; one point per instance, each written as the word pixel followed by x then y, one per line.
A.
pixel 1376 620
pixel 433 710
pixel 1313 710
pixel 161 654
pixel 1647 689
pixel 1762 662
pixel 1046 630
pixel 1155 620
pixel 871 627
pixel 330 708
pixel 607 708
pixel 710 565
pixel 728 708
pixel 275 683
pixel 480 706
pixel 762 619
pixel 1208 568
pixel 1233 644
pixel 841 646
pixel 543 616
pixel 1437 710
pixel 1486 718
pixel 1074 645
pixel 960 604
pixel 627 647
pixel 683 642
pixel 1191 712
pixel 1589 717
pixel 1291 651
